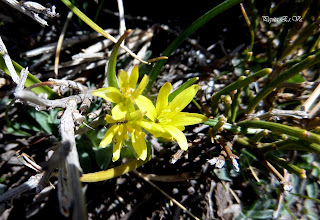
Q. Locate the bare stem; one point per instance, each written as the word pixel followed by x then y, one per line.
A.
pixel 240 83
pixel 276 127
pixel 306 63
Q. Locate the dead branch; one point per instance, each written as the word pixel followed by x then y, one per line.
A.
pixel 33 9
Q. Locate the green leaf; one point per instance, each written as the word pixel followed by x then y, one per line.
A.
pixel 296 79
pixel 127 150
pixel 312 190
pixel 94 137
pixel 31 126
pixel 85 161
pixel 53 115
pixel 86 153
pixel 104 156
pixel 310 210
pixel 43 119
pixel 261 214
pixel 17 132
pixel 223 174
pixel 101 133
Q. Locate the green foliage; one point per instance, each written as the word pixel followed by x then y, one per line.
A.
pixel 38 121
pixel 284 135
pixel 258 143
pixel 31 80
pixel 279 53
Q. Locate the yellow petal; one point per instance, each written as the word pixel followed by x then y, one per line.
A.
pixel 181 128
pixel 165 137
pixel 134 77
pixel 136 115
pixel 111 94
pixel 109 135
pixel 178 136
pixel 123 80
pixel 162 100
pixel 183 98
pixel 110 120
pixel 153 128
pixel 185 119
pixel 139 144
pixel 119 112
pixel 142 86
pixel 145 105
pixel 119 139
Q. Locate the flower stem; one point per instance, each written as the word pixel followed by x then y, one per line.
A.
pixel 114 172
pixel 231 127
pixel 292 143
pixel 288 166
pixel 276 127
pixel 306 63
pixel 227 106
pixel 257 137
pixel 235 105
pixel 215 129
pixel 240 83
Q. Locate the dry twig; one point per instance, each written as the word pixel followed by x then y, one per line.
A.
pixel 33 9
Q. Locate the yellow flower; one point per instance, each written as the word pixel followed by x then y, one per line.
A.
pixel 125 98
pixel 119 131
pixel 167 120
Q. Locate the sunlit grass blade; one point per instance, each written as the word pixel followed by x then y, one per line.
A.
pixel 31 80
pixel 285 129
pixel 97 28
pixel 231 127
pixel 292 143
pixel 249 26
pixel 111 71
pixel 300 39
pixel 181 88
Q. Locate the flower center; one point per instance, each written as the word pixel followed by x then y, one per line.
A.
pixel 128 91
pixel 164 117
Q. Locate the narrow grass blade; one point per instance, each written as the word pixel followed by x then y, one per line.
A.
pixel 306 63
pixel 285 129
pixel 288 166
pixel 111 70
pixel 185 34
pixel 97 28
pixel 240 83
pixel 181 88
pixel 30 80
